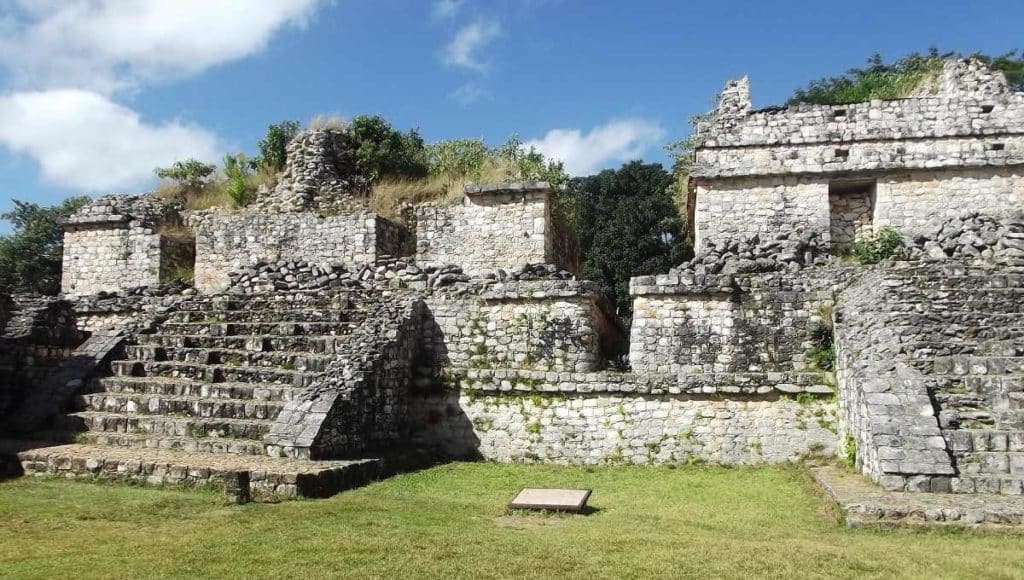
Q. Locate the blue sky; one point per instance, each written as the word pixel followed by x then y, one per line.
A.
pixel 94 93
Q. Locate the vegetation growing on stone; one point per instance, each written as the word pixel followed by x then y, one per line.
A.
pixel 897 79
pixel 886 243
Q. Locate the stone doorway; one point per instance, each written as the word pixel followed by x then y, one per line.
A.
pixel 851 207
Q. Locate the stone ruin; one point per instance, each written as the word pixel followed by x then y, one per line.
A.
pixel 323 345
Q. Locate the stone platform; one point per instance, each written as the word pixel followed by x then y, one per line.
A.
pixel 270 477
pixel 865 504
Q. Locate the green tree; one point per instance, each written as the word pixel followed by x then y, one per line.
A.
pixel 273 147
pixel 236 170
pixel 30 257
pixel 190 173
pixel 373 149
pixel 627 224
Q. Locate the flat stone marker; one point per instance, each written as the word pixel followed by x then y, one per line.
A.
pixel 560 500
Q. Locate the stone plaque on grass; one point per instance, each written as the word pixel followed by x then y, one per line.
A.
pixel 559 500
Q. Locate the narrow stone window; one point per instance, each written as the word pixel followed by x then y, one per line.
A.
pixel 986 109
pixel 842 154
pixel 839 113
pixel 997 147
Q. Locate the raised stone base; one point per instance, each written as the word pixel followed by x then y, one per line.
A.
pixel 863 504
pixel 270 478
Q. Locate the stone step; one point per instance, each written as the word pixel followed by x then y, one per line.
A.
pixel 268 343
pixel 270 477
pixel 191 444
pixel 258 328
pixel 955 332
pixel 267 315
pixel 988 484
pixel 180 406
pixel 970 365
pixel 206 356
pixel 992 462
pixel 293 300
pixel 953 347
pixel 942 319
pixel 188 388
pixel 965 283
pixel 163 425
pixel 212 373
pixel 963 441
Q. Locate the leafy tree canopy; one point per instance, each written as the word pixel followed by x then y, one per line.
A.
pixel 627 224
pixel 896 80
pixel 30 257
pixel 377 150
pixel 273 146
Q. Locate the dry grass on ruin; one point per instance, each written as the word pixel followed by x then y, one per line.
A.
pixel 389 195
pixel 451 522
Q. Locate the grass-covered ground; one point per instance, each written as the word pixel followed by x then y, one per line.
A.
pixel 450 522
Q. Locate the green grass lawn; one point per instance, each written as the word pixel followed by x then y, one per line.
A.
pixel 450 522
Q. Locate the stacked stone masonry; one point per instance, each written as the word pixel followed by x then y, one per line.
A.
pixel 924 159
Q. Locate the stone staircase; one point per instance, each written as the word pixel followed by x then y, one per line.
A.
pixel 202 391
pixel 963 332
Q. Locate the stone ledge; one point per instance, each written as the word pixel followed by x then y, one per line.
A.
pixel 769 384
pixel 863 504
pixel 476 189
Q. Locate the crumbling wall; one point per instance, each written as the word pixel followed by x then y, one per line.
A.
pixel 227 242
pixel 501 226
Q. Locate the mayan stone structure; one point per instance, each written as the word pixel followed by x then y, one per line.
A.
pixel 319 339
pixel 955 146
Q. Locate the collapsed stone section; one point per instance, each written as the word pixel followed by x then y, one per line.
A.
pixel 914 162
pixel 317 177
pixel 973 237
pixel 119 242
pixel 789 251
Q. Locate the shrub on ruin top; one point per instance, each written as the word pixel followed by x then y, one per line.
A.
pixel 884 244
pixel 190 173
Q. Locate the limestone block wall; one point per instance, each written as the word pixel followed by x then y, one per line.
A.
pixel 499 226
pixel 110 257
pixel 597 418
pixel 916 201
pixel 226 242
pixel 956 145
pixel 748 206
pixel 747 323
pixel 551 325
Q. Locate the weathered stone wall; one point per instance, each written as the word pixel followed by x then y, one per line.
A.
pixel 38 334
pixel 744 207
pixel 501 226
pixel 226 242
pixel 550 325
pixel 914 202
pixel 599 418
pixel 115 243
pixel 954 147
pixel 743 323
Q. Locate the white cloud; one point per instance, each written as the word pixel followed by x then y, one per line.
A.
pixel 114 45
pixel 609 144
pixel 463 49
pixel 469 93
pixel 447 9
pixel 82 140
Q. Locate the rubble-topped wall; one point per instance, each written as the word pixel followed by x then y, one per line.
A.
pixel 116 243
pixel 956 145
pixel 317 176
pixel 498 226
pixel 227 242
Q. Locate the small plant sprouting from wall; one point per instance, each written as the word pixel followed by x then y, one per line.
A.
pixel 822 355
pixel 850 451
pixel 884 244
